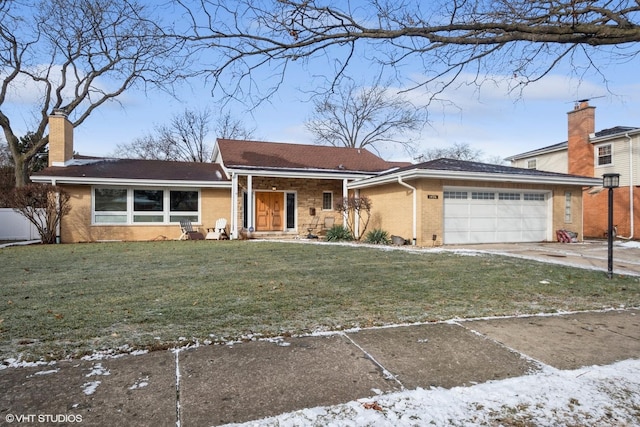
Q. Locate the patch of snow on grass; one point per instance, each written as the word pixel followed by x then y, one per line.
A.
pixel 90 387
pixel 98 370
pixel 140 383
pixel 50 371
pixel 596 395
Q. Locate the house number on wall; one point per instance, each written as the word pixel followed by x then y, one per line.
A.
pixel 432 196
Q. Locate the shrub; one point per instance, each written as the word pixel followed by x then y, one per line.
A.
pixel 43 205
pixel 377 237
pixel 339 233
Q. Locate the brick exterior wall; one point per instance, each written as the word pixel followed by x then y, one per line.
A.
pixel 60 139
pixel 581 159
pixel 581 123
pixel 596 212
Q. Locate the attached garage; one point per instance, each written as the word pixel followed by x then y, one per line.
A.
pixel 481 215
pixel 448 201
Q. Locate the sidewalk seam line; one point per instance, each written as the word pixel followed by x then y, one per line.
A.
pixel 178 412
pixel 385 372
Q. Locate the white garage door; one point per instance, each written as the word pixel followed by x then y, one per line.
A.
pixel 494 216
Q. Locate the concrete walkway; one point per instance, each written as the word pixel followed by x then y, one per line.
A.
pixel 213 385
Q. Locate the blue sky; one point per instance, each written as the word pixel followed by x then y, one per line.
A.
pixel 489 119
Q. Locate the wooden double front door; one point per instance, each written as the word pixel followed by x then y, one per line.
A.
pixel 269 211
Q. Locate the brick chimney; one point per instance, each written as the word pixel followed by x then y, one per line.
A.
pixel 60 138
pixel 581 123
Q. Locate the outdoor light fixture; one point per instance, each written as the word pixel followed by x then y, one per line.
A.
pixel 610 181
pixel 274 188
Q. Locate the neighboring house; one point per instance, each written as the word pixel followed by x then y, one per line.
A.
pixel 277 190
pixel 591 153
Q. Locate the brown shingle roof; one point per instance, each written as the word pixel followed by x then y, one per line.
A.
pixel 277 155
pixel 139 169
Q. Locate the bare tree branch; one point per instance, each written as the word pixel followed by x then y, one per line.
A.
pixel 364 118
pixel 522 38
pixel 185 138
pixel 78 55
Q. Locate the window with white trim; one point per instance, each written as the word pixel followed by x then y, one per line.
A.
pixel 144 205
pixel 535 197
pixel 110 205
pixel 327 201
pixel 532 164
pixel 483 195
pixel 455 195
pixel 603 152
pixel 509 196
pixel 567 207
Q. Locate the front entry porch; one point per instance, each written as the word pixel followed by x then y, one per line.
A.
pixel 278 207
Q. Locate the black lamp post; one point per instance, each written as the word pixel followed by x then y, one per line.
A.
pixel 610 181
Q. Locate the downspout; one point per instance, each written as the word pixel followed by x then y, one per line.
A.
pixel 415 210
pixel 631 222
pixel 234 205
pixel 345 196
pixel 58 223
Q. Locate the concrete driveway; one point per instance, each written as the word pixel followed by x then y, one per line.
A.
pixel 591 254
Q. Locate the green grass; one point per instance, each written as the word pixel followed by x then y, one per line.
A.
pixel 68 300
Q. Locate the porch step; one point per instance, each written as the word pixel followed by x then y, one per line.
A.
pixel 275 235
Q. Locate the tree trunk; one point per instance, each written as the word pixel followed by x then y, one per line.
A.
pixel 21 171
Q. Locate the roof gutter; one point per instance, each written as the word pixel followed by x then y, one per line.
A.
pixel 479 176
pixel 414 226
pixel 129 182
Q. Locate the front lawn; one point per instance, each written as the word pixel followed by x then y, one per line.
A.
pixel 68 300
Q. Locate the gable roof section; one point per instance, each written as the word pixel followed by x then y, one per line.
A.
pixel 600 135
pixel 136 172
pixel 614 131
pixel 464 170
pixel 539 151
pixel 239 154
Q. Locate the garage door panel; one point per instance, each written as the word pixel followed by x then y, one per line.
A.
pixel 510 219
pixel 455 237
pixel 509 210
pixel 482 237
pixel 507 224
pixel 482 224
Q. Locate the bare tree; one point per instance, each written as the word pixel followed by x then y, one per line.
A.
pixel 75 55
pixel 458 151
pixel 228 127
pixel 522 39
pixel 184 138
pixel 359 117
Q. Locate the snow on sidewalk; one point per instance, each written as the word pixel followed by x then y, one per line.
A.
pixel 595 395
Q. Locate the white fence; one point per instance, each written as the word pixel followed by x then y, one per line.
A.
pixel 14 226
